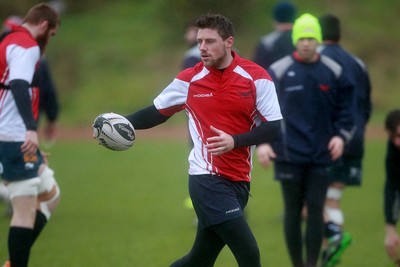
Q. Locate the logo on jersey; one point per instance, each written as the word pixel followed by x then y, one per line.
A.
pixel 203 95
pixel 246 94
pixel 324 87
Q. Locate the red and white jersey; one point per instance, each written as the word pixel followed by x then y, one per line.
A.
pixel 234 100
pixel 19 56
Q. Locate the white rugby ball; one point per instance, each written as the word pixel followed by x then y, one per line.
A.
pixel 114 131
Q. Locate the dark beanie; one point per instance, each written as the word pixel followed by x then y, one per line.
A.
pixel 330 27
pixel 284 12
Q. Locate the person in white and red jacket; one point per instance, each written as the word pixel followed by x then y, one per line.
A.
pixel 232 105
pixel 31 185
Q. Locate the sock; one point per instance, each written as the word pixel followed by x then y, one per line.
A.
pixel 19 245
pixel 40 223
pixel 332 229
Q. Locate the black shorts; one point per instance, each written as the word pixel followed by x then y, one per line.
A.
pixel 216 199
pixel 16 166
pixel 290 172
pixel 347 170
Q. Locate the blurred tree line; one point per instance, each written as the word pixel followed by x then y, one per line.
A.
pixel 178 12
pixel 368 27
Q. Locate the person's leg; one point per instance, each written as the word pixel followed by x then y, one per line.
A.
pixel 48 198
pixel 333 215
pixel 237 234
pixel 334 218
pixel 23 187
pixel 205 250
pixel 293 196
pixel 316 186
pixel 20 236
pixel 344 172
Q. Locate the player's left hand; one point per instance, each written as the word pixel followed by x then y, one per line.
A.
pixel 392 242
pixel 50 131
pixel 221 143
pixel 265 155
pixel 336 147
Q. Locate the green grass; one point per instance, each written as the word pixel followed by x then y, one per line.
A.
pixel 126 209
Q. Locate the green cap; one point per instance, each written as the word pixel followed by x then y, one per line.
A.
pixel 306 26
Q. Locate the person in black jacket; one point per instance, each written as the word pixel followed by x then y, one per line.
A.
pixel 392 185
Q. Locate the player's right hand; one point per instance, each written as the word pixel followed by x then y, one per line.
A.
pixel 31 144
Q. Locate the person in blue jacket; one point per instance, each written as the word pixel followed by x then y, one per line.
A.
pixel 347 171
pixel 315 97
pixel 278 43
pixel 192 55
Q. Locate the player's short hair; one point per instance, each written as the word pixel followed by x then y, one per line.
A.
pixel 41 12
pixel 392 120
pixel 330 26
pixel 223 25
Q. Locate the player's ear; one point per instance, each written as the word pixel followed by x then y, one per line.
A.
pixel 44 25
pixel 229 41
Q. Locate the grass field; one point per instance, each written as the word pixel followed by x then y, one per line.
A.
pixel 126 209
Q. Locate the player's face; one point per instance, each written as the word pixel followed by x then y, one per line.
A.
pixel 395 137
pixel 191 36
pixel 307 49
pixel 215 52
pixel 43 38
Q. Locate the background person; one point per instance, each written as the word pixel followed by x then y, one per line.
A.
pixel 190 59
pixel 33 190
pixel 192 55
pixel 392 185
pixel 346 171
pixel 278 43
pixel 232 90
pixel 48 101
pixel 308 86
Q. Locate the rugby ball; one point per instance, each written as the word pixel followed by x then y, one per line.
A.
pixel 113 131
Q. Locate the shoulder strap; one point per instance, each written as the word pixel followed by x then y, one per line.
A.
pixel 4 34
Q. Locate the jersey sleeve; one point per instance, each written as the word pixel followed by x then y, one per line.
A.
pixel 22 62
pixel 345 122
pixel 267 100
pixel 173 98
